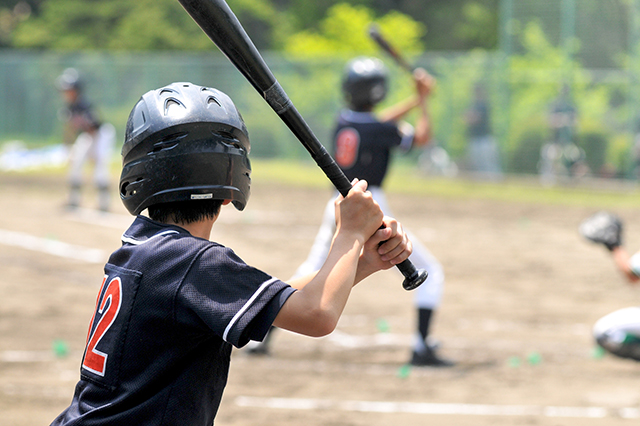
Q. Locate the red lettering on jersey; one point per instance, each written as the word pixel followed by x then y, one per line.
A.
pixel 347 144
pixel 104 280
pixel 94 360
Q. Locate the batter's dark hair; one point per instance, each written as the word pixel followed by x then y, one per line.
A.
pixel 185 211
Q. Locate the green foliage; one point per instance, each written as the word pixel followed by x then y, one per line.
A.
pixel 344 33
pixel 524 157
pixel 106 24
pixel 595 147
pixel 136 30
pixel 479 24
pixel 452 97
pixel 535 78
pixel 317 59
pixel 404 179
pixel 125 25
pixel 620 153
pixel 70 24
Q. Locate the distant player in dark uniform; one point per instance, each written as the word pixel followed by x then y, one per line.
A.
pixel 562 156
pixel 482 149
pixel 90 139
pixel 172 304
pixel 363 145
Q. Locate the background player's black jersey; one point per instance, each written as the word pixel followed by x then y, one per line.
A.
pixel 169 310
pixel 362 145
pixel 81 115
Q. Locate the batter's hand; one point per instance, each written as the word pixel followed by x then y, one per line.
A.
pixel 358 212
pixel 425 82
pixel 386 248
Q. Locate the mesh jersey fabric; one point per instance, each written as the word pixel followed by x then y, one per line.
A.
pixel 175 305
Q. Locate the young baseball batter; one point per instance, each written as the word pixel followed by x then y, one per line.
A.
pixel 363 144
pixel 173 304
pixel 617 332
pixel 90 140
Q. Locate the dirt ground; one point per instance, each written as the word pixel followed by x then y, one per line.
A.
pixel 522 293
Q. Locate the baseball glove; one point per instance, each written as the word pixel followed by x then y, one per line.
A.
pixel 603 228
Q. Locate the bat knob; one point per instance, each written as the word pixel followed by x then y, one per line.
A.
pixel 415 280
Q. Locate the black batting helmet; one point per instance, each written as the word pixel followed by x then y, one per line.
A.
pixel 364 82
pixel 184 142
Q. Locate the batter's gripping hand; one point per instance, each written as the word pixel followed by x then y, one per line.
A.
pixel 425 82
pixel 603 228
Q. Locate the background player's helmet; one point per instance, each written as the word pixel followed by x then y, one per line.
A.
pixel 184 142
pixel 69 80
pixel 364 82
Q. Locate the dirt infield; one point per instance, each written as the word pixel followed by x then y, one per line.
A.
pixel 522 292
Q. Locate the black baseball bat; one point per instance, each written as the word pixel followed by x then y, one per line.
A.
pixel 221 25
pixel 374 33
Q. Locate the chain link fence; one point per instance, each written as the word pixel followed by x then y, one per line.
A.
pixel 588 47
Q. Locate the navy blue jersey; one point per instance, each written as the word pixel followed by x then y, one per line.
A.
pixel 170 308
pixel 81 116
pixel 362 145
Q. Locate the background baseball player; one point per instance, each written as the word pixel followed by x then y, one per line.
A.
pixel 483 154
pixel 363 144
pixel 172 303
pixel 90 139
pixel 562 156
pixel 619 331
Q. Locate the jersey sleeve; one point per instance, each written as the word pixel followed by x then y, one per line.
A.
pixel 395 134
pixel 406 131
pixel 234 300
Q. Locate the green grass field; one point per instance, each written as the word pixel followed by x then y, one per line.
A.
pixel 406 179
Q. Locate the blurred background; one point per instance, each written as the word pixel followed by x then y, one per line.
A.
pixel 526 57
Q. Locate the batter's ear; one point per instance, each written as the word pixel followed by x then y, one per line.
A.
pixel 225 202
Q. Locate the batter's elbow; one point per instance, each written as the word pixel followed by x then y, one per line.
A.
pixel 323 324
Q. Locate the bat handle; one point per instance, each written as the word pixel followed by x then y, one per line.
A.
pixel 413 277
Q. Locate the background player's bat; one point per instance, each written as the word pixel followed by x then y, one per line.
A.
pixel 221 25
pixel 374 33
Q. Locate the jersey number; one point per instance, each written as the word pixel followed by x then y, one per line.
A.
pixel 347 144
pixel 108 307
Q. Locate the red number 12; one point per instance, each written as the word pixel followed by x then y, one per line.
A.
pixel 94 360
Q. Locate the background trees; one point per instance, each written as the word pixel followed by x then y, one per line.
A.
pixel 162 25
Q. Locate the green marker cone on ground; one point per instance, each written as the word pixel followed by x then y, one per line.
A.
pixel 404 371
pixel 60 348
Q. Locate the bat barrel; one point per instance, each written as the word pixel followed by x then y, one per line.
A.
pixel 374 33
pixel 221 25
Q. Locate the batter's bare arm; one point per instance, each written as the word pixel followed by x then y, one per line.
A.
pixel 315 308
pixel 422 129
pixel 385 249
pixel 622 260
